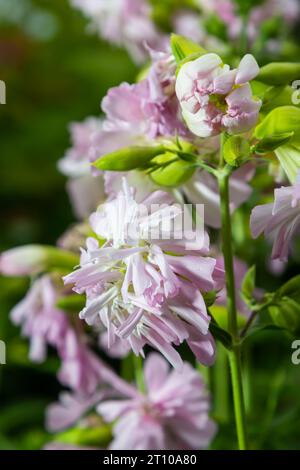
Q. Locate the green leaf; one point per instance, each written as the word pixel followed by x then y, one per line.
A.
pixel 34 259
pixel 92 436
pixel 277 96
pixel 71 303
pixel 261 328
pixel 286 314
pixel 248 284
pixel 214 26
pixel 269 144
pixel 235 149
pixel 220 315
pixel 280 120
pixel 279 73
pixel 174 174
pixel 183 48
pixel 128 158
pixel 290 289
pixel 289 158
pixel 209 298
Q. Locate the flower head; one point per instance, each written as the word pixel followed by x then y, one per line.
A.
pixel 41 320
pixel 214 98
pixel 173 413
pixel 145 290
pixel 126 23
pixel 279 220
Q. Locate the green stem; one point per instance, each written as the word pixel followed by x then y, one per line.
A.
pixel 221 385
pixel 139 373
pixel 235 353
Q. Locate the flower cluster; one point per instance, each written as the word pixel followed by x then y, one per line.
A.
pixel 145 291
pixel 173 411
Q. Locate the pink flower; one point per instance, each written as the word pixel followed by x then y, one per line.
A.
pixel 69 409
pixel 41 321
pixel 137 291
pixel 119 349
pixel 85 191
pixel 188 23
pixel 279 220
pixel 287 10
pixel 214 98
pixel 143 109
pixel 23 260
pixel 202 188
pixel 172 414
pixel 126 23
pixel 76 160
pixel 226 10
pixel 81 369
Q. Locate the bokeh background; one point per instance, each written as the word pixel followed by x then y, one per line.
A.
pixel 56 73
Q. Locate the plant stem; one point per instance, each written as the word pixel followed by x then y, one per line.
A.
pixel 235 353
pixel 139 373
pixel 221 385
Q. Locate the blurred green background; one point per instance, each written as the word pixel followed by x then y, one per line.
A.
pixel 56 73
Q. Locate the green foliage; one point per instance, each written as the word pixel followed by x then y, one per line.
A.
pixel 98 436
pixel 235 150
pixel 71 303
pixel 272 142
pixel 286 314
pixel 291 289
pixel 289 158
pixel 173 174
pixel 184 48
pixel 281 120
pixel 248 285
pixel 129 158
pixel 279 73
pixel 216 27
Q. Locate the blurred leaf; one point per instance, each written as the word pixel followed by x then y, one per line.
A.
pixel 173 174
pixel 248 284
pixel 290 289
pixel 279 73
pixel 128 158
pixel 92 436
pixel 209 298
pixel 220 315
pixel 289 158
pixel 183 48
pixel 73 303
pixel 280 120
pixel 272 142
pixel 235 149
pixel 286 314
pixel 260 328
